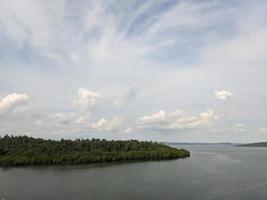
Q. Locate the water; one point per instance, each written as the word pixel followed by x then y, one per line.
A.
pixel 212 172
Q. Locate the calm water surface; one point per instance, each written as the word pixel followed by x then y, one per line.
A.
pixel 212 172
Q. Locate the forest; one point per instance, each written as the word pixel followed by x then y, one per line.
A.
pixel 24 150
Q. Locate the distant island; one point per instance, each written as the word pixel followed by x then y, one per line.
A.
pixel 201 143
pixel 24 150
pixel 258 144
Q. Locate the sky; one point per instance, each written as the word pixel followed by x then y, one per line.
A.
pixel 161 70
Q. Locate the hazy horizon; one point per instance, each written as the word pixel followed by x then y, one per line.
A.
pixel 169 71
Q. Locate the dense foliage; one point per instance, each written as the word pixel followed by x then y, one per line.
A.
pixel 23 150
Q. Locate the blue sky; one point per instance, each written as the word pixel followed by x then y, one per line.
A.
pixel 153 70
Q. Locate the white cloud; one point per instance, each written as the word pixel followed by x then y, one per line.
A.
pixel 12 101
pixel 82 119
pixel 175 120
pixel 158 117
pixel 114 123
pixel 86 98
pixel 39 123
pixel 263 130
pixel 129 130
pixel 204 119
pixel 223 94
pixel 161 117
pixel 99 124
pixel 239 127
pixel 65 118
pixel 107 125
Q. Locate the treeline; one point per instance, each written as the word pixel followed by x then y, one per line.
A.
pixel 24 150
pixel 258 144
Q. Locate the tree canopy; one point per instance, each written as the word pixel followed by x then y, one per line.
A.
pixel 24 150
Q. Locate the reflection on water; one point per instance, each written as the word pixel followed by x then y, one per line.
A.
pixel 212 172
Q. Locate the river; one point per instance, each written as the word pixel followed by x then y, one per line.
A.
pixel 212 172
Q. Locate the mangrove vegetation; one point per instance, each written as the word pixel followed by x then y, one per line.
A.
pixel 24 150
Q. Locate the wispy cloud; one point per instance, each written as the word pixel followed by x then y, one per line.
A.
pixel 179 53
pixel 127 97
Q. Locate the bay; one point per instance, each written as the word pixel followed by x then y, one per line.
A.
pixel 212 172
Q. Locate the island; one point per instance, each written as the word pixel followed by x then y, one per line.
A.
pixel 258 144
pixel 24 150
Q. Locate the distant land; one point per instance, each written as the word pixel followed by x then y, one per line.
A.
pixel 258 144
pixel 24 150
pixel 201 143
